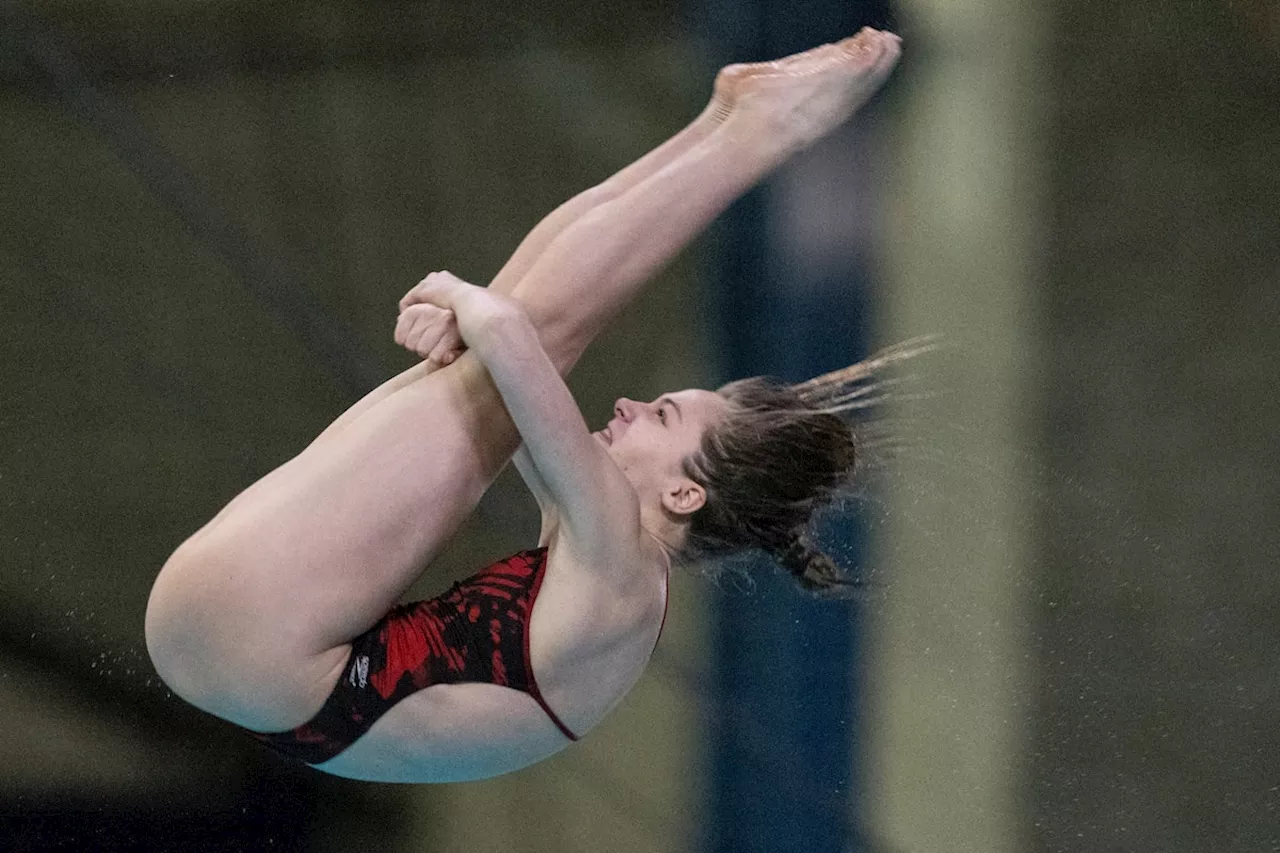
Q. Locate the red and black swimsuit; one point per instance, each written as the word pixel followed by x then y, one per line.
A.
pixel 478 631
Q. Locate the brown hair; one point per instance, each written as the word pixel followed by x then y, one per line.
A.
pixel 781 453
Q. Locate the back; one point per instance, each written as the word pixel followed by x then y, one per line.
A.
pixel 594 630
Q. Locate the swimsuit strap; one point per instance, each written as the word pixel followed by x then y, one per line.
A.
pixel 532 688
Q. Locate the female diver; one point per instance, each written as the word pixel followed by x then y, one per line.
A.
pixel 280 615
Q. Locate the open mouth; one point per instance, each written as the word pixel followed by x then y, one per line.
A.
pixel 608 436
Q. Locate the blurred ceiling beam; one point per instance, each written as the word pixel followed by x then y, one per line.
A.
pixel 265 271
pixel 122 38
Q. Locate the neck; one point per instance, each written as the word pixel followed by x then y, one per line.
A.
pixel 669 534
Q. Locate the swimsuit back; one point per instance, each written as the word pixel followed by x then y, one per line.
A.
pixel 477 631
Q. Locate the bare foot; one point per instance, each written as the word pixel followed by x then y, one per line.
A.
pixel 807 95
pixel 725 93
pixel 731 77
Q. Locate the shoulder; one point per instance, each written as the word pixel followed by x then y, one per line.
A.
pixel 616 552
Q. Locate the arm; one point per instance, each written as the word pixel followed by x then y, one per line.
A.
pixel 593 500
pixel 433 334
pixel 533 481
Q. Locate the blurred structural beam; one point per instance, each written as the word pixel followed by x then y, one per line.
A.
pixel 947 719
pixel 265 271
pixel 127 39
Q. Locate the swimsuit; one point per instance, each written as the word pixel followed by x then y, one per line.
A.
pixel 478 631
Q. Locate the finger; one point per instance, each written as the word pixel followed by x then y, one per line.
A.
pixel 447 350
pixel 403 324
pixel 432 331
pixel 450 337
pixel 409 326
pixel 407 322
pixel 441 355
pixel 425 289
pixel 450 356
pixel 450 341
pixel 442 338
pixel 406 327
pixel 443 334
pixel 447 278
pixel 421 329
pixel 411 298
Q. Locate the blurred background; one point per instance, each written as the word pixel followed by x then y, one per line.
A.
pixel 208 211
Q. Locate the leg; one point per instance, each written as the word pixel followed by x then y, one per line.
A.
pixel 597 264
pixel 251 619
pixel 537 241
pixel 550 227
pixel 543 293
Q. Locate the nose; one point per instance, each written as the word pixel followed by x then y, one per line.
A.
pixel 625 409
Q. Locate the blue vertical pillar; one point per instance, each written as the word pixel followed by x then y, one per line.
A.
pixel 782 718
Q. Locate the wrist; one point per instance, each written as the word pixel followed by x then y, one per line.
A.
pixel 488 319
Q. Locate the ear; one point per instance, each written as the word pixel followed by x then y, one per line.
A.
pixel 683 497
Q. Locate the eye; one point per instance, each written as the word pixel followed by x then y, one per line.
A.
pixel 662 414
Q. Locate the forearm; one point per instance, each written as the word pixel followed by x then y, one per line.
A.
pixel 593 503
pixel 550 424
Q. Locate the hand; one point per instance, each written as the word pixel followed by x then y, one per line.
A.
pixel 441 314
pixel 431 332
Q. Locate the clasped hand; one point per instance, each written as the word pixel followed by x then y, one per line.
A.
pixel 441 315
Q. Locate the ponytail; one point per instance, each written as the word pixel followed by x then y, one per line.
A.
pixel 782 452
pixel 814 570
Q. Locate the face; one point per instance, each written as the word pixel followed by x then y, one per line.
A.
pixel 650 441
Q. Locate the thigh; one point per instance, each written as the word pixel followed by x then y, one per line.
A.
pixel 360 407
pixel 316 552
